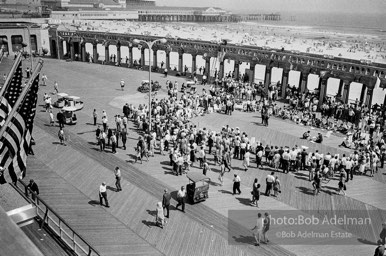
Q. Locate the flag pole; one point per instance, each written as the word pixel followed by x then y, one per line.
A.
pixel 10 74
pixel 1 53
pixel 21 97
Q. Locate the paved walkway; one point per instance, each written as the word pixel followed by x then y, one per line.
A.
pixel 85 168
pixel 102 92
pixel 103 231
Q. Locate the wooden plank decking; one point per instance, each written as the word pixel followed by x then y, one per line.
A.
pixel 205 224
pixel 134 206
pixel 79 176
pixel 104 232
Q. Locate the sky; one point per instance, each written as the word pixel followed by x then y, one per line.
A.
pixel 344 6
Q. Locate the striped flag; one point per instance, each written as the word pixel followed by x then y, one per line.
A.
pixel 11 94
pixel 15 143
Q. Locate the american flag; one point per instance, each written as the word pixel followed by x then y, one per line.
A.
pixel 11 94
pixel 15 143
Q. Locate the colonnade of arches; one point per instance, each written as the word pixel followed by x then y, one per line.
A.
pixel 186 62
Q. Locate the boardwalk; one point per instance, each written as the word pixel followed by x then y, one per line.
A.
pixel 78 174
pixel 203 230
pixel 106 234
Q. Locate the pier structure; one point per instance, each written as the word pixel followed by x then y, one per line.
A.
pixel 326 67
pixel 185 14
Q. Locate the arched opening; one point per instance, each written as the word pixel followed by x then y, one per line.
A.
pixel 161 59
pixel 229 67
pixel 378 96
pixel 200 62
pixel 259 73
pixel 276 75
pixel 294 78
pixel 101 51
pixel 355 91
pixel 89 49
pixel 125 54
pixel 173 60
pixel 243 67
pixel 332 86
pixel 187 62
pixel 146 56
pixel 312 82
pixel 113 53
pixel 136 55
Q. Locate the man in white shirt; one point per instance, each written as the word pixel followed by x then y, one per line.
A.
pixel 327 159
pixel 348 168
pixel 293 154
pixel 258 228
pixel 286 160
pixel 343 162
pixel 269 183
pixel 181 196
pixel 236 184
pixel 103 194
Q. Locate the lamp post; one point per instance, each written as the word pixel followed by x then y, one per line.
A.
pixel 150 46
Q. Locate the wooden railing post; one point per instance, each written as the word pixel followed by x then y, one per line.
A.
pixel 44 218
pixel 26 191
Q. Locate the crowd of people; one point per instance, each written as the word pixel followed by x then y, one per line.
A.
pixel 185 144
pixel 362 125
pixel 173 135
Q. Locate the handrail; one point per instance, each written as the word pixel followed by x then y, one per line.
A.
pixel 27 192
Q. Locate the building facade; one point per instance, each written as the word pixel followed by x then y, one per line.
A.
pixel 14 35
pixel 346 70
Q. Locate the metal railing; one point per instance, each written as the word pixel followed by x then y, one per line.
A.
pixel 53 221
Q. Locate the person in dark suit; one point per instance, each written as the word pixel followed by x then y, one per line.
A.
pixel 61 119
pixel 34 188
pixel 166 202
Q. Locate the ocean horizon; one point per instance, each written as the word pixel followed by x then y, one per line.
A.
pixel 368 23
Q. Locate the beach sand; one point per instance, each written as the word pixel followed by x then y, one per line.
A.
pixel 366 47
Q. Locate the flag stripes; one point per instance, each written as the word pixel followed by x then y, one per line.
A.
pixel 15 143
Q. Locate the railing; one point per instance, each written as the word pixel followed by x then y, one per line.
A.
pixel 49 217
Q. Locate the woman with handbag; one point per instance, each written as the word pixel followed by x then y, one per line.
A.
pixel 276 187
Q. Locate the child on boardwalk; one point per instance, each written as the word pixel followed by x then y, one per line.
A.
pixel 61 137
